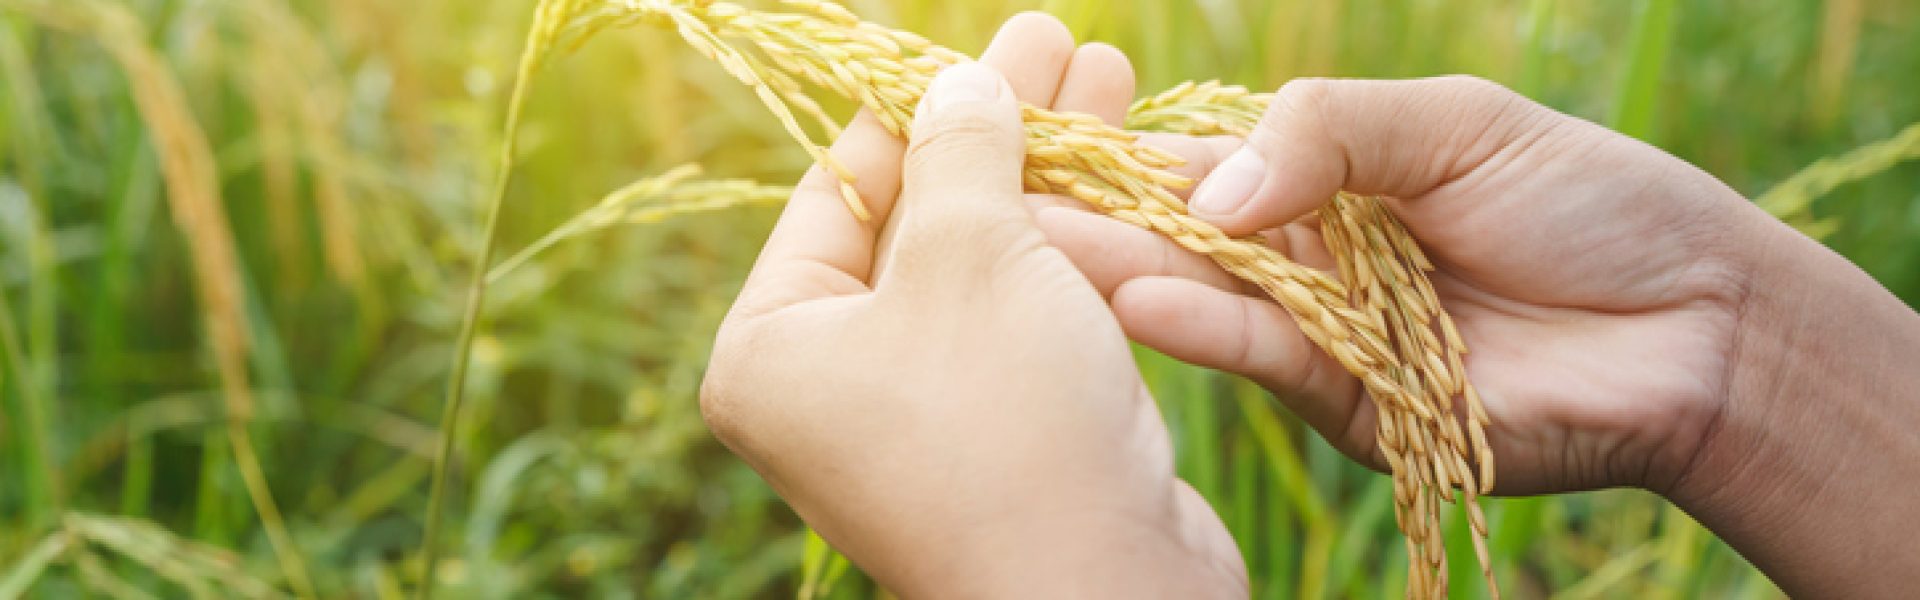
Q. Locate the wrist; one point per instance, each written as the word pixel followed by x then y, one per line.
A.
pixel 1082 549
pixel 1812 448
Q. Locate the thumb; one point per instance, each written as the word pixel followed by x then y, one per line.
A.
pixel 960 186
pixel 1391 138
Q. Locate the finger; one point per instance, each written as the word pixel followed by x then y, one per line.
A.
pixel 819 248
pixel 1032 51
pixel 1040 202
pixel 1111 253
pixel 1099 81
pixel 1301 242
pixel 962 187
pixel 1252 337
pixel 1393 138
pixel 1201 154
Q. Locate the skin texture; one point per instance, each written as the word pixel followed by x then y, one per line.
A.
pixel 1599 312
pixel 946 393
pixel 945 398
pixel 1633 321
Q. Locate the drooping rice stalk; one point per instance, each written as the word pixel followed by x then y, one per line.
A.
pixel 549 17
pixel 1792 200
pixel 1388 274
pixel 1383 323
pixel 193 194
pixel 650 200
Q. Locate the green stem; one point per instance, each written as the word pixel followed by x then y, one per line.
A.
pixel 469 322
pixel 45 501
pixel 545 242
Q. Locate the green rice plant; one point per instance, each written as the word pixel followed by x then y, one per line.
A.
pixel 549 17
pixel 599 350
pixel 1792 199
pixel 200 570
pixel 1652 38
pixel 194 196
pixel 648 201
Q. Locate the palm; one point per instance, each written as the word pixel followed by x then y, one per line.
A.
pixel 1582 398
pixel 1599 348
pixel 1597 333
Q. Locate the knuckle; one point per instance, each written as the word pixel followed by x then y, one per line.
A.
pixel 1471 85
pixel 963 132
pixel 960 243
pixel 1307 90
pixel 1302 97
pixel 1500 102
pixel 725 400
pixel 1300 108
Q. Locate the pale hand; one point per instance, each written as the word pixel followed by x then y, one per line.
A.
pixel 939 392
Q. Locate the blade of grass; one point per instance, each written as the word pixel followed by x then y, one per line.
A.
pixel 1840 23
pixel 95 575
pixel 1314 516
pixel 1533 69
pixel 194 195
pixel 1682 541
pixel 1372 519
pixel 44 497
pixel 209 504
pixel 813 562
pixel 136 477
pixel 1639 91
pixel 1241 508
pixel 539 35
pixel 1614 573
pixel 30 144
pixel 1793 198
pixel 21 577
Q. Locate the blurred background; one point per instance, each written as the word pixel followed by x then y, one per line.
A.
pixel 238 232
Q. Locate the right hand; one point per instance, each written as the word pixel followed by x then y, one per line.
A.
pixel 1598 281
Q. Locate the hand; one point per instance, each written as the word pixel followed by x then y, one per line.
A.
pixel 1632 320
pixel 1596 280
pixel 945 398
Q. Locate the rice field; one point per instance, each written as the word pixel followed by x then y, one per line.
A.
pixel 237 240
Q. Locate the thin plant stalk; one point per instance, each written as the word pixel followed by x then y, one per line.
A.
pixel 193 194
pixel 537 39
pixel 46 499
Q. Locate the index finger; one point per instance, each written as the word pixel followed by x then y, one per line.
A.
pixel 819 248
pixel 1201 153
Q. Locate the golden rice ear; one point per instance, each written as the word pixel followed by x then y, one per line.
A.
pixel 1380 320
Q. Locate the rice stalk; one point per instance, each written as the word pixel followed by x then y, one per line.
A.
pixel 194 197
pixel 549 17
pixel 32 358
pixel 201 570
pixel 1792 200
pixel 647 201
pixel 1388 344
pixel 95 576
pixel 292 71
pixel 1076 155
pixel 45 491
pixel 1388 273
pixel 27 569
pixel 1833 61
pixel 205 571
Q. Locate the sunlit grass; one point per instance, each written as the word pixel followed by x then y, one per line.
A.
pixel 350 144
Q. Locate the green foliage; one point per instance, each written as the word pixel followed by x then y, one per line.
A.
pixel 355 140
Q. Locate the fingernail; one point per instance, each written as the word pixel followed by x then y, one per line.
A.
pixel 1230 185
pixel 960 84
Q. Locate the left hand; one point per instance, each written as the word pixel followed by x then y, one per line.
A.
pixel 944 397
